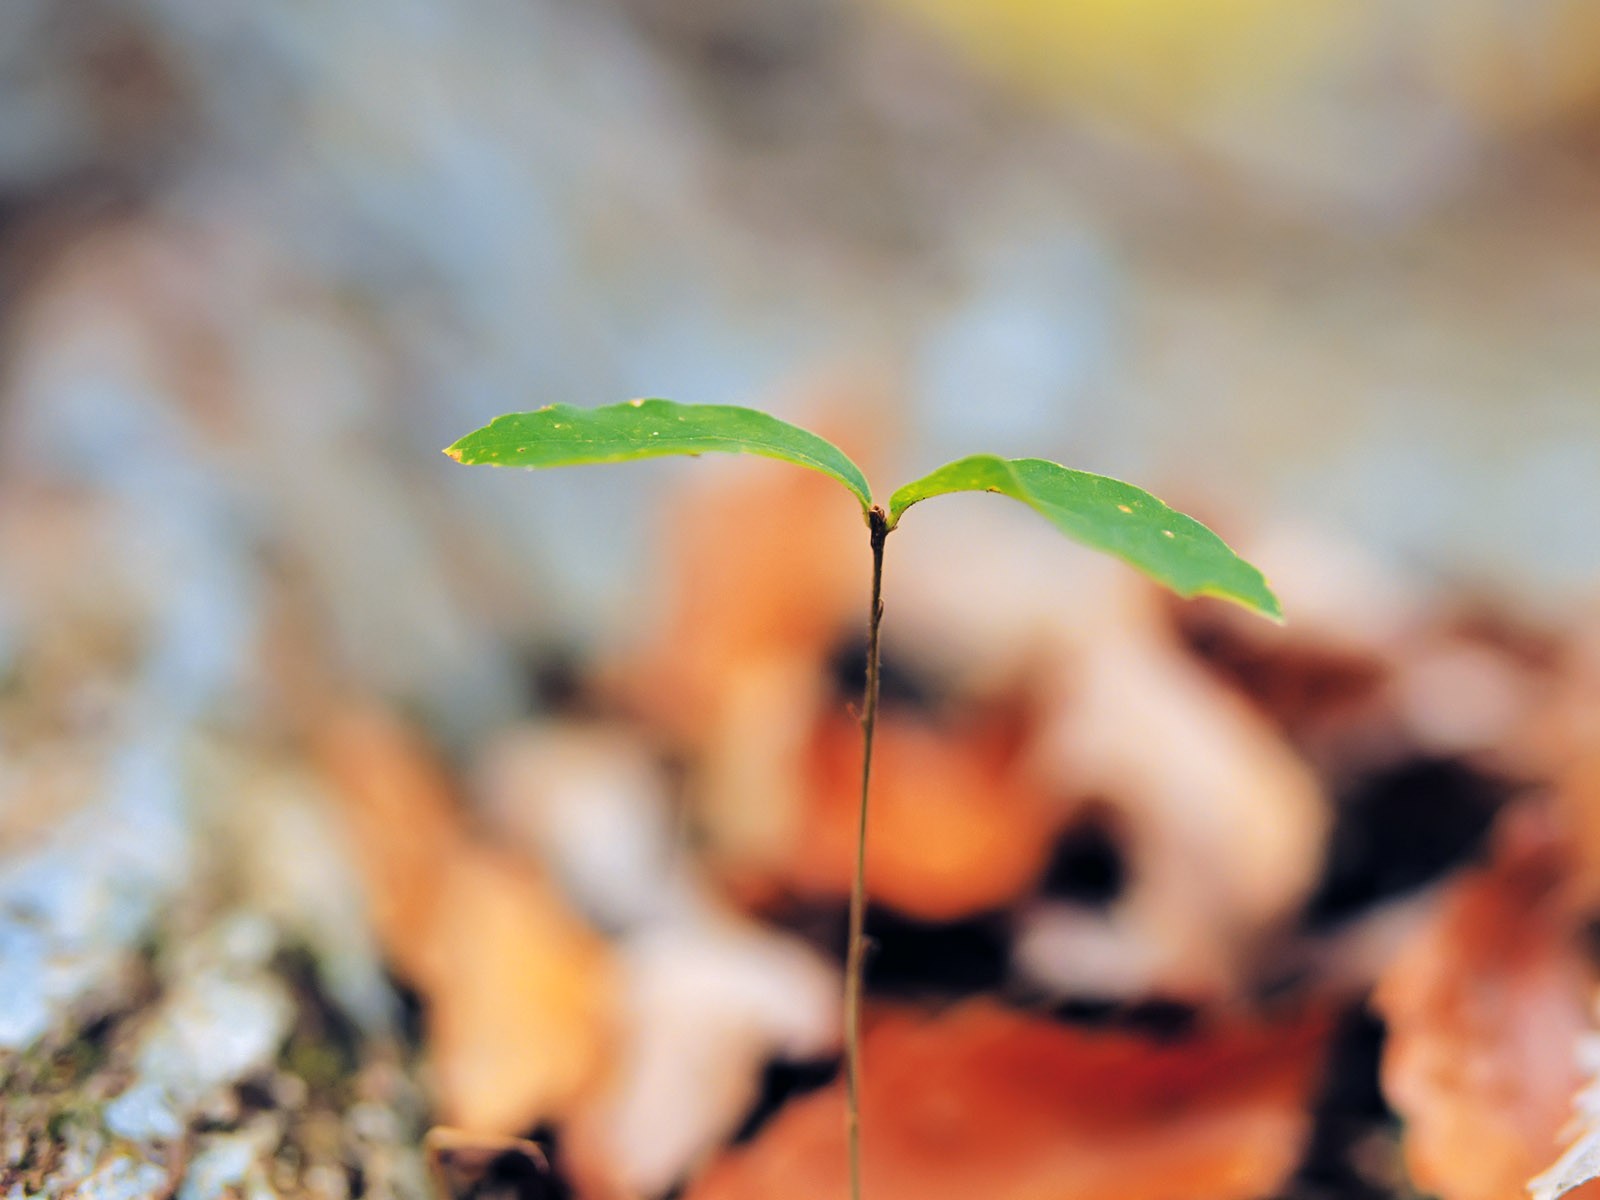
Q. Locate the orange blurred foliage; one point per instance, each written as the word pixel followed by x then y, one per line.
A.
pixel 519 993
pixel 1485 1010
pixel 984 1101
pixel 954 828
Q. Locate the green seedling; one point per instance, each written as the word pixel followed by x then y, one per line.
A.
pixel 1105 514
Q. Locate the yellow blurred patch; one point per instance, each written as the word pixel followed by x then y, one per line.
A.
pixel 1175 64
pixel 1150 60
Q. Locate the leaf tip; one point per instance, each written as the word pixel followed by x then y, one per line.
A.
pixel 1263 602
pixel 1268 606
pixel 453 452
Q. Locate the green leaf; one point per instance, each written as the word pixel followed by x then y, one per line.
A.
pixel 560 435
pixel 1107 514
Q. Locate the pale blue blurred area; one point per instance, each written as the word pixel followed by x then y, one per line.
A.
pixel 1017 364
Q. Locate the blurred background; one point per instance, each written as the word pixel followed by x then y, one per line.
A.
pixel 345 791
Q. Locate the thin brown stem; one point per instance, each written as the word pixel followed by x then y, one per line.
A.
pixel 856 954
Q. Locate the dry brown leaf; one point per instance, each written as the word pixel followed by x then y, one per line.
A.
pixel 1578 798
pixel 952 829
pixel 992 1103
pixel 519 993
pixel 404 828
pixel 1486 1008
